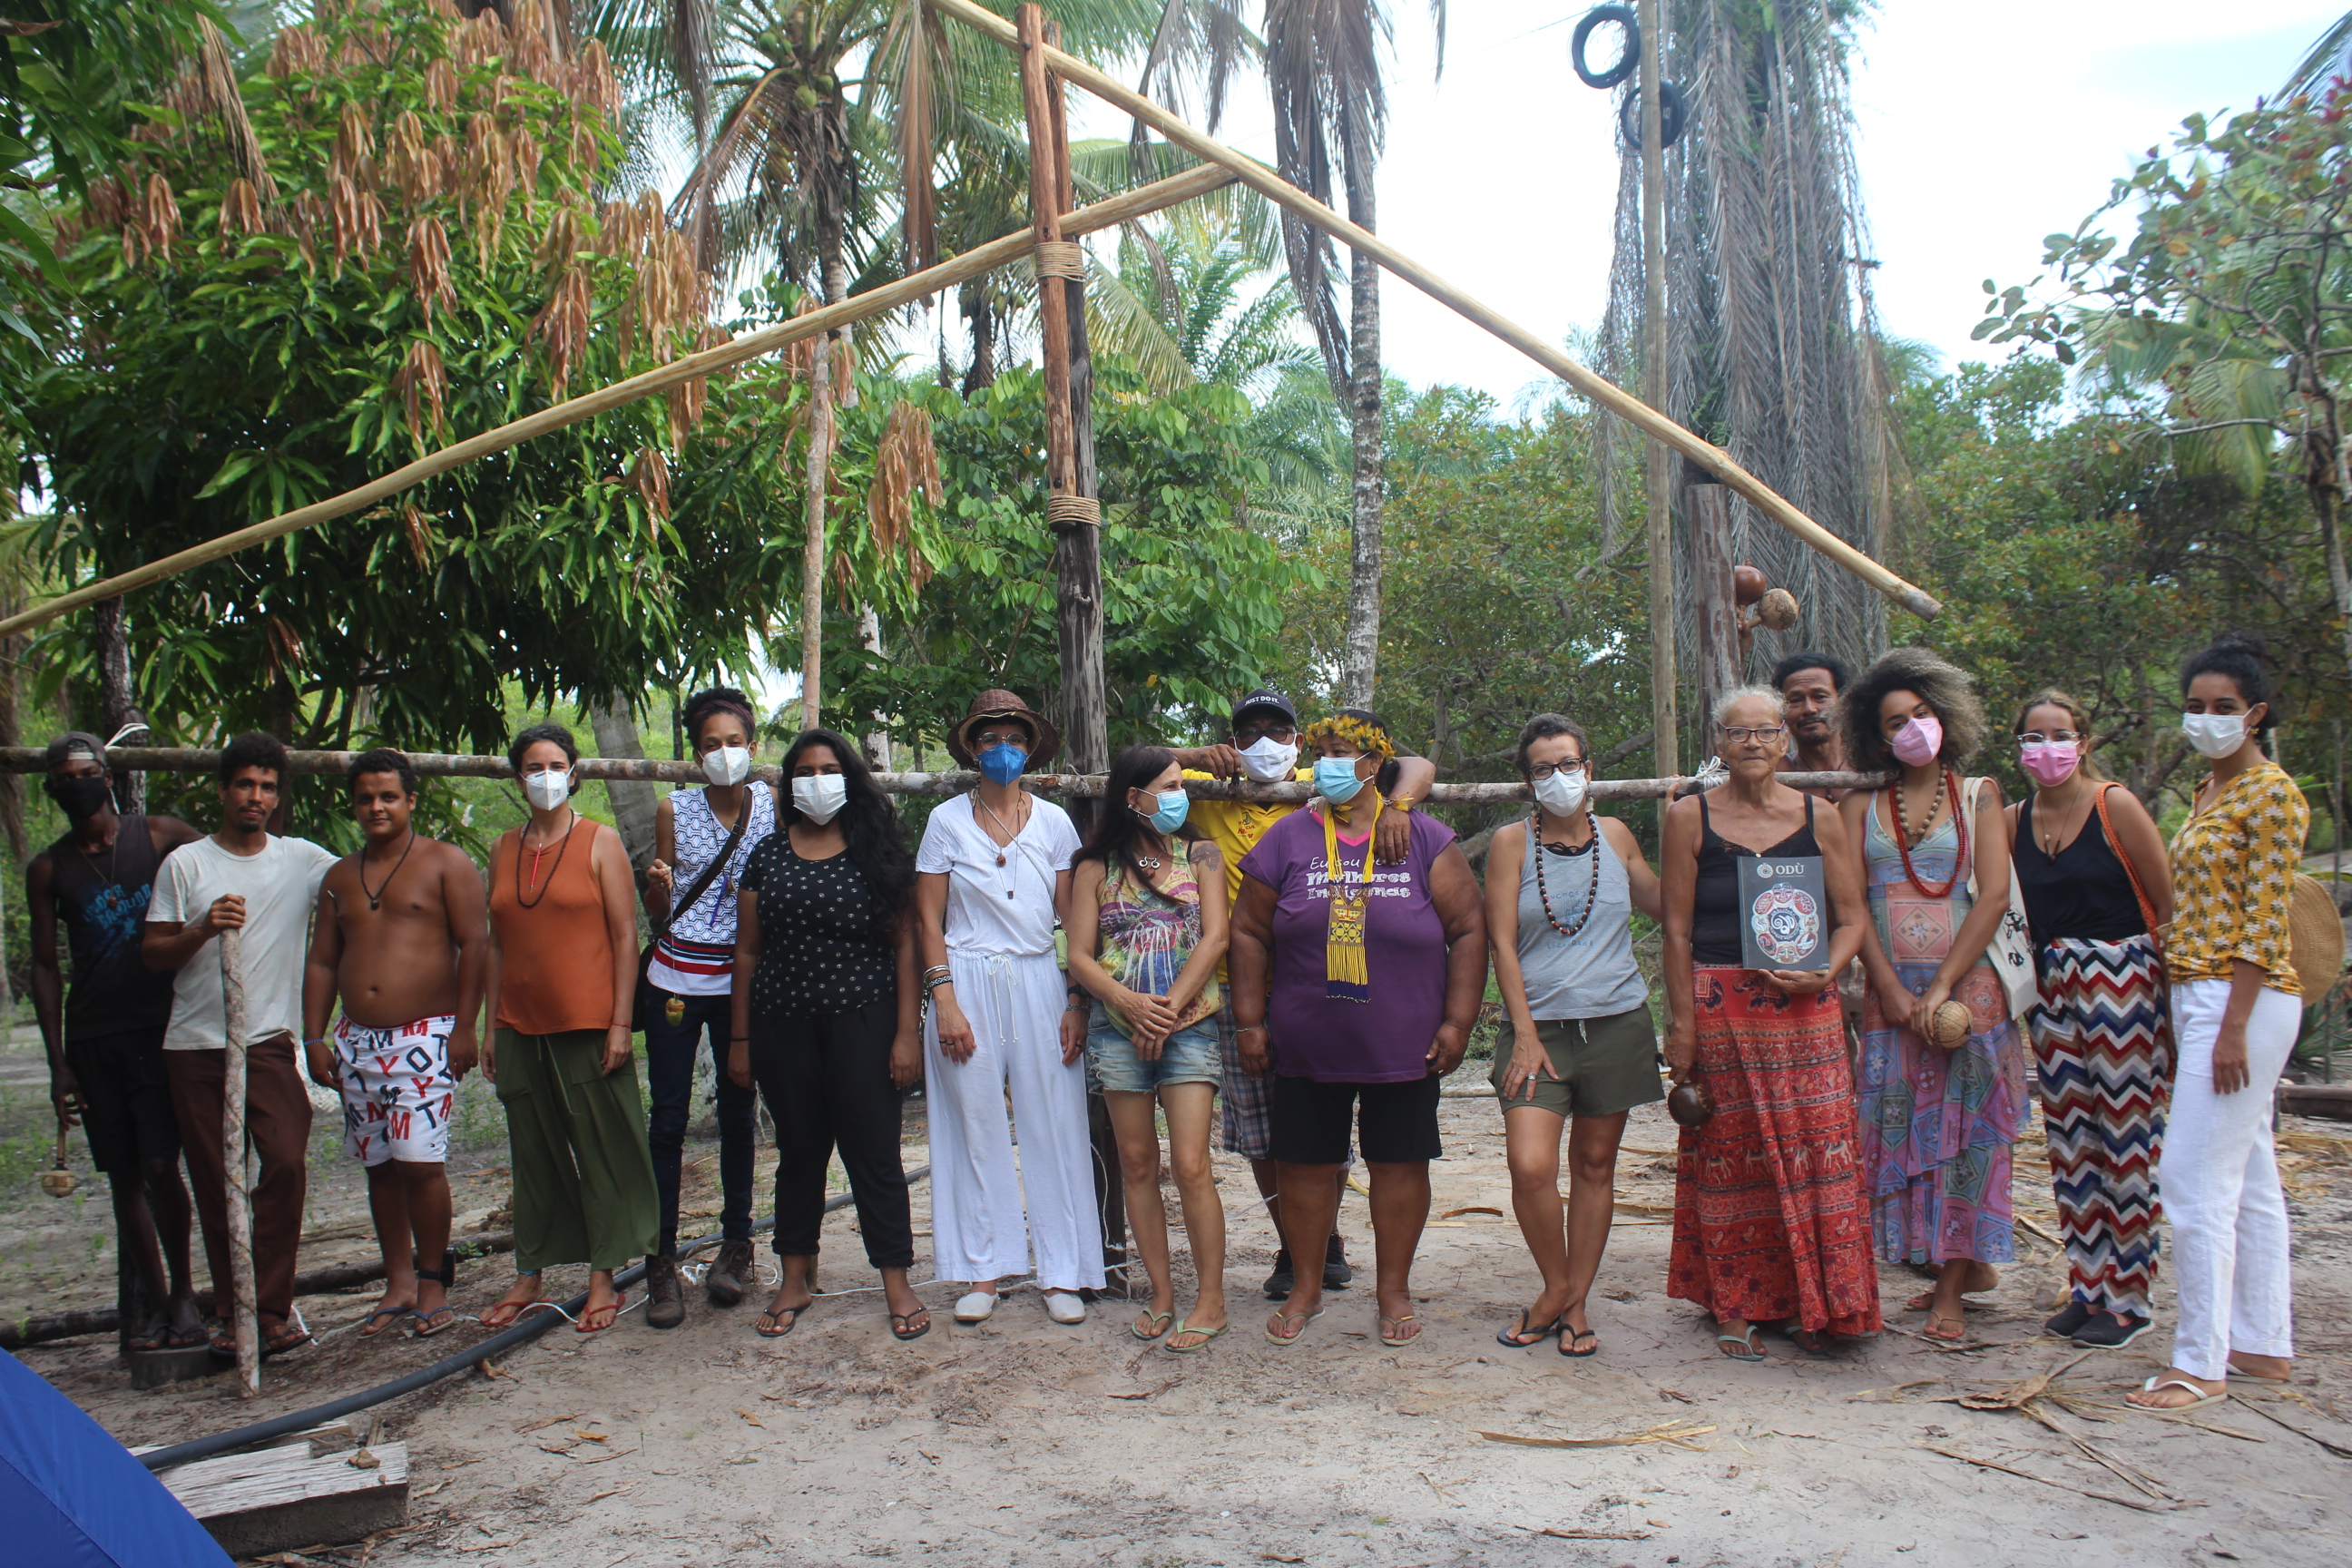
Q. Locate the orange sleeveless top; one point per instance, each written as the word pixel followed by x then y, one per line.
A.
pixel 555 954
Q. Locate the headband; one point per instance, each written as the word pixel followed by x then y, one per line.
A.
pixel 1369 738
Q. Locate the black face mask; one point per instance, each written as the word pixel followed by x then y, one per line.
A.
pixel 80 796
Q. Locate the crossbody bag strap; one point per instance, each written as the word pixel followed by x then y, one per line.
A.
pixel 709 873
pixel 2108 826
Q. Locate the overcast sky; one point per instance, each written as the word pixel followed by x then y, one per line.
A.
pixel 1980 128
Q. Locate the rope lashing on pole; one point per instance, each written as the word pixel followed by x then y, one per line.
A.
pixel 1004 251
pixel 1059 258
pixel 1587 381
pixel 1065 512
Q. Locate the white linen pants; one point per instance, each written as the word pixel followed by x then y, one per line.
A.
pixel 979 1228
pixel 2219 1185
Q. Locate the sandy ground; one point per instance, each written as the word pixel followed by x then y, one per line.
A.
pixel 1021 1439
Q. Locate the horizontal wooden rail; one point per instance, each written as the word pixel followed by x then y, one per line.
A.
pixel 658 770
pixel 1588 382
pixel 1108 213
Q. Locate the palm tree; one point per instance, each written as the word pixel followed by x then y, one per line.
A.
pixel 2330 56
pixel 1772 334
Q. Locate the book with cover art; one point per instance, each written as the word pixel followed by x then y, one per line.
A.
pixel 1785 912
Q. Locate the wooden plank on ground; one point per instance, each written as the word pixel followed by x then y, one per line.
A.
pixel 276 1499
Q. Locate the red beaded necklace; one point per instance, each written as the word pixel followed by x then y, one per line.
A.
pixel 1903 838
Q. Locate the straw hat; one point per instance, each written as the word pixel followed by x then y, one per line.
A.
pixel 2315 937
pixel 998 703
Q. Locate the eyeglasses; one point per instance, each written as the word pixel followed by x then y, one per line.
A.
pixel 1740 734
pixel 2048 737
pixel 1248 735
pixel 1541 771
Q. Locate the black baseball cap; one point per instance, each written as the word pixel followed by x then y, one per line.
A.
pixel 1266 699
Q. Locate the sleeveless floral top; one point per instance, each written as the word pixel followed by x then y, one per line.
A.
pixel 1149 935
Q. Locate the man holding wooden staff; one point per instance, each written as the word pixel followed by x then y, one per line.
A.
pixel 242 878
pixel 404 937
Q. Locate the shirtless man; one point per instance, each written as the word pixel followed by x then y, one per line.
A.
pixel 404 937
pixel 1809 683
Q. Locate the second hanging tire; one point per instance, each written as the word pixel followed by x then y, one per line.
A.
pixel 1672 114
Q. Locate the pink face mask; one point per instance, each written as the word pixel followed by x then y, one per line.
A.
pixel 1916 743
pixel 2052 763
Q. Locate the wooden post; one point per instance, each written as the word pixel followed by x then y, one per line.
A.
pixel 244 1313
pixel 1720 664
pixel 1667 741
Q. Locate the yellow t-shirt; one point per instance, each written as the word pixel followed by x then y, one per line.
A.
pixel 2233 865
pixel 1234 826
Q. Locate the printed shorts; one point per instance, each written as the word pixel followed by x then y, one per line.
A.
pixel 397 1091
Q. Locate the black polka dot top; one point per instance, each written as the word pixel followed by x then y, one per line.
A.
pixel 818 957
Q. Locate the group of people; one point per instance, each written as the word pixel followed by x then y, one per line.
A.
pixel 1289 978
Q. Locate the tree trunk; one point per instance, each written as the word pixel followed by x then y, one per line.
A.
pixel 1359 661
pixel 980 374
pixel 812 478
pixel 119 699
pixel 634 804
pixel 2324 502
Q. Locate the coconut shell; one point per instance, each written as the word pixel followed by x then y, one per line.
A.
pixel 1948 1029
pixel 1748 585
pixel 1777 609
pixel 1690 1104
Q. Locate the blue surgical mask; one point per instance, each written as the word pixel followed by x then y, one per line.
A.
pixel 1001 764
pixel 1336 779
pixel 1173 806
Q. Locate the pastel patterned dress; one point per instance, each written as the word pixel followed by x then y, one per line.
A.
pixel 1938 1128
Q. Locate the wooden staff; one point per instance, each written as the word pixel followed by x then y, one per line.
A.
pixel 1587 383
pixel 245 1314
pixel 1000 252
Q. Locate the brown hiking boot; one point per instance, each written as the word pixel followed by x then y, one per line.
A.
pixel 664 1307
pixel 732 1274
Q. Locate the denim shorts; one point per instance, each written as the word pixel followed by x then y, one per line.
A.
pixel 1191 1055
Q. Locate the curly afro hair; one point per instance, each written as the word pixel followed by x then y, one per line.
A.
pixel 1939 683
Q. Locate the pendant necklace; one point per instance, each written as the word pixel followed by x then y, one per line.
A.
pixel 375 899
pixel 1009 831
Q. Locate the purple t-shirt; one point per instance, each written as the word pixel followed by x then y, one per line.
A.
pixel 1313 1035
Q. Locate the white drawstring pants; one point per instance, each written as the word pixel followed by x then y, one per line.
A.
pixel 978 1226
pixel 2219 1183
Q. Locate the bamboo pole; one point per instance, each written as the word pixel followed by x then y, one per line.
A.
pixel 1666 728
pixel 1083 786
pixel 1053 313
pixel 973 263
pixel 244 1313
pixel 1587 383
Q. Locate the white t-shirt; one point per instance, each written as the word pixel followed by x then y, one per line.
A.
pixel 994 907
pixel 280 888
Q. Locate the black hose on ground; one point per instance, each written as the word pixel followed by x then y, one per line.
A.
pixel 529 1328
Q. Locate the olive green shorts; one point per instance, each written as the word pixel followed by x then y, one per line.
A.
pixel 1605 1066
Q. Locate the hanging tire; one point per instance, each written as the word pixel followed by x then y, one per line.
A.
pixel 1672 112
pixel 1599 16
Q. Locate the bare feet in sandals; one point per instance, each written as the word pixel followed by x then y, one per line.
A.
pixel 2261 1368
pixel 509 1307
pixel 2174 1389
pixel 604 1304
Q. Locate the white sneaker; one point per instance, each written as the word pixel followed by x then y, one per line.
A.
pixel 1065 1307
pixel 975 1307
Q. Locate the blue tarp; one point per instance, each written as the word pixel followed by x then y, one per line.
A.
pixel 72 1497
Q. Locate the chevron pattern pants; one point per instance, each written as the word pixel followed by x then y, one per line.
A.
pixel 2102 1043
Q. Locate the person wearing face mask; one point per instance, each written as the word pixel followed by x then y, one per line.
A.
pixel 1939 1124
pixel 104 1032
pixel 1262 746
pixel 1582 1044
pixel 687 980
pixel 1770 1222
pixel 1147 927
pixel 1355 985
pixel 2090 867
pixel 827 1016
pixel 992 876
pixel 563 984
pixel 2237 1004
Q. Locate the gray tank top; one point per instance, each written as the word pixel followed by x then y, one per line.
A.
pixel 1591 974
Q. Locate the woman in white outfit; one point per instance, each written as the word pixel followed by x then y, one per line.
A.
pixel 991 877
pixel 2236 1005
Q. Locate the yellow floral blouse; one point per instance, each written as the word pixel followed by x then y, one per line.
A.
pixel 2233 865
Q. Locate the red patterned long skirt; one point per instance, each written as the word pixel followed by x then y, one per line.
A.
pixel 1769 1221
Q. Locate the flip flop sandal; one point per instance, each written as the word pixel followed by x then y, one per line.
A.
pixel 439 1320
pixel 1745 1342
pixel 513 1311
pixel 1925 1300
pixel 2237 1371
pixel 1943 1339
pixel 619 1303
pixel 369 1331
pixel 2160 1381
pixel 1396 1342
pixel 1571 1338
pixel 1286 1343
pixel 899 1322
pixel 1161 1319
pixel 1208 1337
pixel 1517 1339
pixel 292 1336
pixel 778 1315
